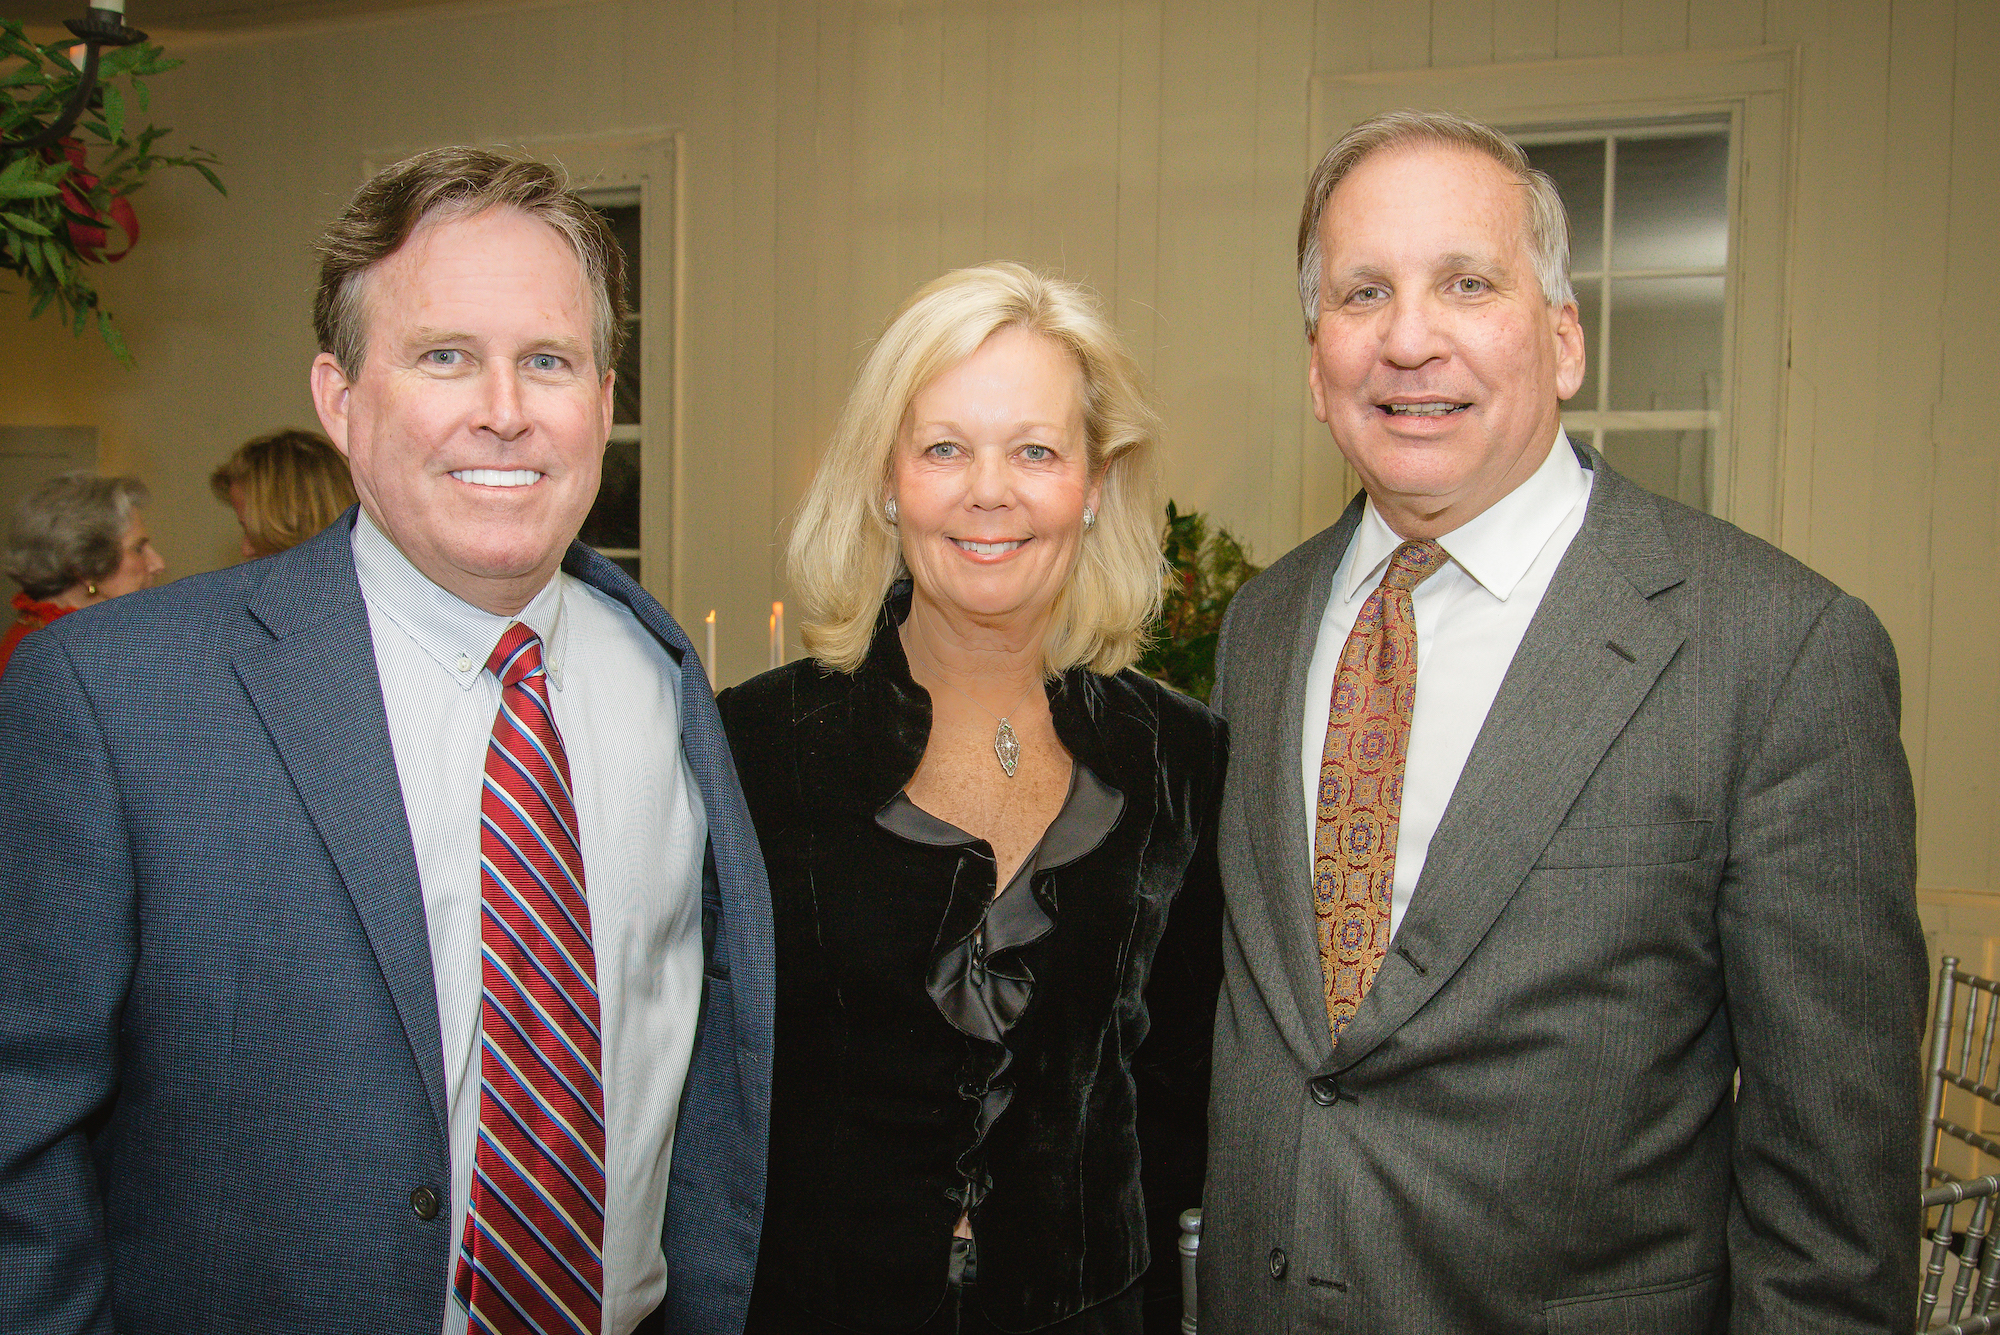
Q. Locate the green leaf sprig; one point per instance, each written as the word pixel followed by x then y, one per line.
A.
pixel 1204 571
pixel 35 240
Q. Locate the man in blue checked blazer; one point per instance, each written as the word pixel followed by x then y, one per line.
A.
pixel 251 1076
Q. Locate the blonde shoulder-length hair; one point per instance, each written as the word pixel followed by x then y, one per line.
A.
pixel 844 554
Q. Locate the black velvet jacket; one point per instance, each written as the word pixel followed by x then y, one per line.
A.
pixel 879 1101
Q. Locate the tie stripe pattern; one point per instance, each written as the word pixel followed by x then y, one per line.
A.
pixel 1361 784
pixel 532 1256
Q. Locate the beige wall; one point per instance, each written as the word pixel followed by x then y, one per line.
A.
pixel 836 154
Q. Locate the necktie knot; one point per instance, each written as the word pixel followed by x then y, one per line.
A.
pixel 517 657
pixel 1413 563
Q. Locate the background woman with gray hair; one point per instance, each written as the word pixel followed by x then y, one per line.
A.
pixel 77 541
pixel 977 819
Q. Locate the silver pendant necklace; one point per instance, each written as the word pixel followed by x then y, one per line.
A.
pixel 1006 746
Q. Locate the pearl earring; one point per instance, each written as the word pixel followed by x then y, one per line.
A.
pixel 1089 518
pixel 889 510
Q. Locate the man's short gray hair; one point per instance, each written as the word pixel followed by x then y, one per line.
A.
pixel 71 532
pixel 1548 224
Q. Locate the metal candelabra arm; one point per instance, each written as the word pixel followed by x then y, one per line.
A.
pixel 97 29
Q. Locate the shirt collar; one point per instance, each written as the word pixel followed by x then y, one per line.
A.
pixel 459 636
pixel 1496 546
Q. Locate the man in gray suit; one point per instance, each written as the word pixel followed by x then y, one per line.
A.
pixel 1573 978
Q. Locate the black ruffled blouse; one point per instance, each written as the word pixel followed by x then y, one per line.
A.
pixel 941 1048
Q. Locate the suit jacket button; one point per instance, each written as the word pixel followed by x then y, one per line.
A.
pixel 1325 1090
pixel 1277 1263
pixel 424 1203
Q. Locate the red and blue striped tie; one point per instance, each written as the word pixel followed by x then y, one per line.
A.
pixel 532 1257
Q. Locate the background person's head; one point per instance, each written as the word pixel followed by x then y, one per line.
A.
pixel 845 551
pixel 284 487
pixel 470 310
pixel 80 539
pixel 1433 264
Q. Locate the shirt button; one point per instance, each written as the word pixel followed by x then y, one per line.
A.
pixel 1277 1263
pixel 464 663
pixel 424 1203
pixel 1325 1090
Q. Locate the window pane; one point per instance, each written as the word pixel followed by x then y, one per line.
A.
pixel 1666 343
pixel 1670 463
pixel 1589 306
pixel 1578 171
pixel 1672 202
pixel 624 220
pixel 614 519
pixel 628 391
pixel 628 564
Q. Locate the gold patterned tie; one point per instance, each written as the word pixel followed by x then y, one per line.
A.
pixel 1361 783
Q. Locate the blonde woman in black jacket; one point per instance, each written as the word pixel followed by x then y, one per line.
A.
pixel 991 845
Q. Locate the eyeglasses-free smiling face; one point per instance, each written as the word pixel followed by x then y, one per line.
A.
pixel 990 476
pixel 476 429
pixel 1438 366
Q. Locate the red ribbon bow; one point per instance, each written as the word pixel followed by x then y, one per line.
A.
pixel 89 240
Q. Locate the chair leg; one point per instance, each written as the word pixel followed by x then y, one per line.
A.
pixel 1934 1269
pixel 1969 1256
pixel 1190 1248
pixel 1989 1280
pixel 1940 1048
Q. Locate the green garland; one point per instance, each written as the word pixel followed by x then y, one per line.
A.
pixel 41 189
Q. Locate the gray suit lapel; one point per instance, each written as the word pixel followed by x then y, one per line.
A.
pixel 317 691
pixel 1275 659
pixel 1590 656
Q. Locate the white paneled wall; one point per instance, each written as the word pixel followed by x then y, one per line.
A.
pixel 839 152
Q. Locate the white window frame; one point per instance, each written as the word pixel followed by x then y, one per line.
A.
pixel 611 197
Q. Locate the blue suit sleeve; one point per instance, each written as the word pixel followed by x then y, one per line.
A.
pixel 67 947
pixel 67 954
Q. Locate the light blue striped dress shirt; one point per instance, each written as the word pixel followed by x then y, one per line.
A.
pixel 615 693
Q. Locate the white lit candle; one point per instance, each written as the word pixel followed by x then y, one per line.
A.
pixel 113 6
pixel 709 657
pixel 777 634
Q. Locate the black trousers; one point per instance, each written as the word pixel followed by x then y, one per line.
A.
pixel 772 1313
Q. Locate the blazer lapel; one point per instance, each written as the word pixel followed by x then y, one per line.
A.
pixel 1590 656
pixel 1277 657
pixel 317 691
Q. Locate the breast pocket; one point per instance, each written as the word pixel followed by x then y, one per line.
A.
pixel 1625 845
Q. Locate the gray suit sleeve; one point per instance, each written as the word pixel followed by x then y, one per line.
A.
pixel 1826 977
pixel 67 946
pixel 1217 696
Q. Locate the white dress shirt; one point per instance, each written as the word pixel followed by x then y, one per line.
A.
pixel 1470 618
pixel 615 693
